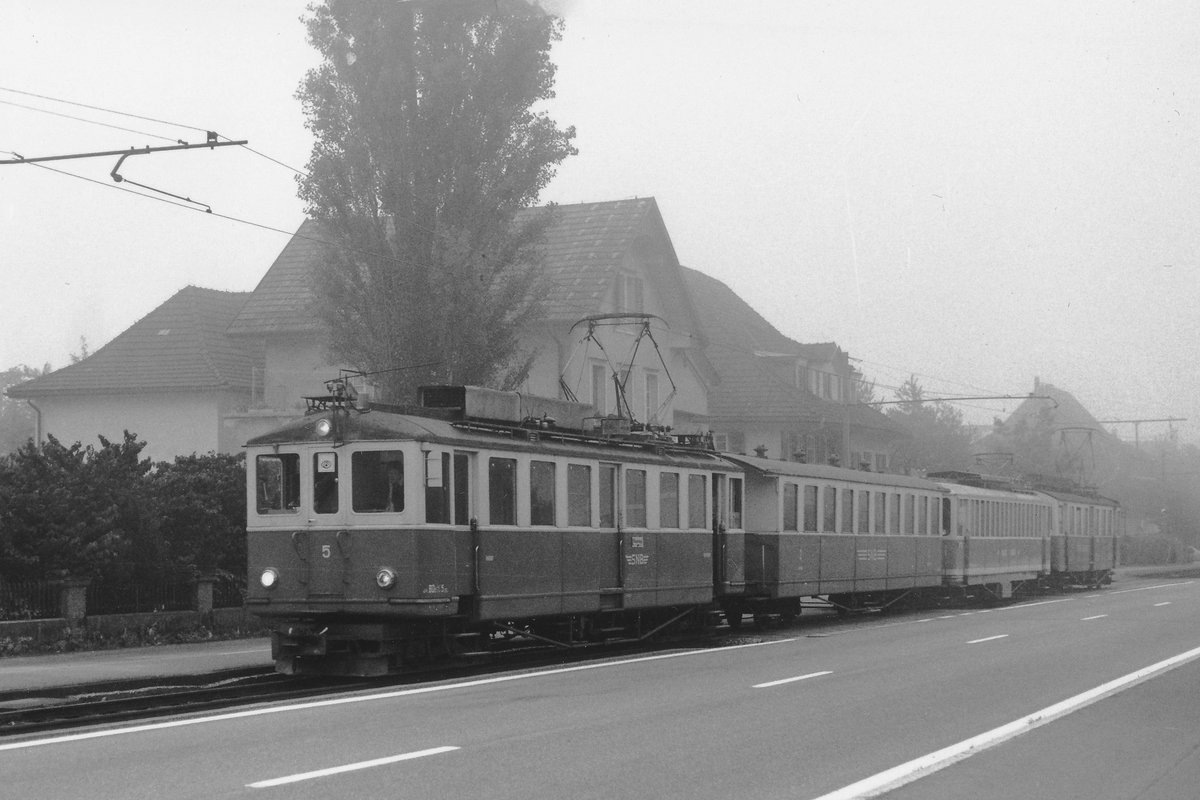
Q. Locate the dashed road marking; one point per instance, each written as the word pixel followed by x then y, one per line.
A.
pixel 322 773
pixel 989 638
pixel 769 684
pixel 1097 616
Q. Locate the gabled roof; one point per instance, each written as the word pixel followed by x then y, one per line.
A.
pixel 282 302
pixel 181 345
pixel 585 245
pixel 749 388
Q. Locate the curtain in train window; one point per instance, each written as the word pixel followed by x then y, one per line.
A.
pixel 880 511
pixel 502 491
pixel 697 496
pixel 894 514
pixel 847 511
pixel 668 499
pixel 608 495
pixel 791 514
pixel 810 508
pixel 828 509
pixel 635 498
pixel 909 515
pixel 922 516
pixel 864 512
pixel 541 493
pixel 579 495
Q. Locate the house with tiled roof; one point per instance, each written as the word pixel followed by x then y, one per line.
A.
pixel 778 397
pixel 171 378
pixel 599 258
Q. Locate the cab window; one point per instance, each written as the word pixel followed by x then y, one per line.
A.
pixel 277 479
pixel 325 483
pixel 377 481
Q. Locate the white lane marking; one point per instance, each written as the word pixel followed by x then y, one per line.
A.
pixel 1089 619
pixel 910 771
pixel 1031 605
pixel 368 698
pixel 927 619
pixel 769 684
pixel 1156 586
pixel 1159 605
pixel 321 773
pixel 989 638
pixel 947 616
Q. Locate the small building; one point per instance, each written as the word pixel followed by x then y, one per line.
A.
pixel 778 398
pixel 171 378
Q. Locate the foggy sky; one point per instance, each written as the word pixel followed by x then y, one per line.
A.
pixel 975 193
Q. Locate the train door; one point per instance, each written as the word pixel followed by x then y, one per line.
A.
pixel 327 544
pixel 720 524
pixel 611 574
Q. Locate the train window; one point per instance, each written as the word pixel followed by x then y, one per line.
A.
pixel 462 489
pixel 668 500
pixel 502 491
pixel 922 516
pixel 810 508
pixel 847 511
pixel 325 483
pixel 946 507
pixel 909 515
pixel 697 492
pixel 880 511
pixel 377 480
pixel 437 487
pixel 635 498
pixel 894 514
pixel 541 493
pixel 579 495
pixel 829 510
pixel 735 502
pixel 278 483
pixel 864 512
pixel 791 496
pixel 608 495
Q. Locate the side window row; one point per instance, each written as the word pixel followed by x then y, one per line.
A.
pixel 813 509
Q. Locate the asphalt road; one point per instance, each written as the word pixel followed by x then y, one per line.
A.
pixel 817 714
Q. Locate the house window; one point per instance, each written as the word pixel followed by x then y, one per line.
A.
pixel 600 389
pixel 629 294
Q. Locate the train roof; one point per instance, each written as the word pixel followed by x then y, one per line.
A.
pixel 771 467
pixel 991 493
pixel 1075 497
pixel 344 426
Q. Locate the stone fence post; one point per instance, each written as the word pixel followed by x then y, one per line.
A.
pixel 72 599
pixel 202 593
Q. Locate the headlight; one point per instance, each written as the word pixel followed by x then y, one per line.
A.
pixel 386 577
pixel 324 426
pixel 269 578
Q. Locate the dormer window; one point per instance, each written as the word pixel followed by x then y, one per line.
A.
pixel 628 294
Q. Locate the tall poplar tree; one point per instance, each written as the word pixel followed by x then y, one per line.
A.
pixel 429 141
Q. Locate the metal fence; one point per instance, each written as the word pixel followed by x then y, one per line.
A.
pixel 228 592
pixel 29 600
pixel 132 598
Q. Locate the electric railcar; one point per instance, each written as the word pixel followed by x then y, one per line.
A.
pixel 384 538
